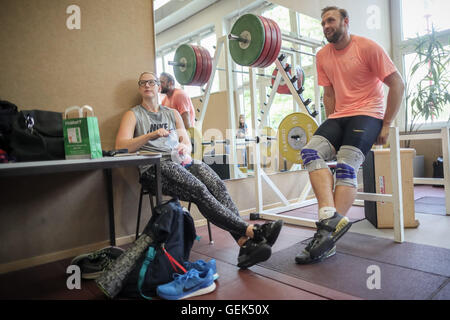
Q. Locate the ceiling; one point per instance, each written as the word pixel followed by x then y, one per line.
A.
pixel 176 11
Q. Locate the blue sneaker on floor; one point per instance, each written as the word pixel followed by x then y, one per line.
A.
pixel 201 265
pixel 192 283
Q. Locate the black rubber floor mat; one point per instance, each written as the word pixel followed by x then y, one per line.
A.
pixel 405 271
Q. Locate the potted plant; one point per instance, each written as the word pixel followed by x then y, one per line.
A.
pixel 428 81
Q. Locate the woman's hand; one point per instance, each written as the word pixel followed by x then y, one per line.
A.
pixel 161 132
pixel 182 149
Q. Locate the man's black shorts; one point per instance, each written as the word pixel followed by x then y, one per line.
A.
pixel 358 131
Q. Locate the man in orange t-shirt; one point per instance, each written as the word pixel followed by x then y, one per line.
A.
pixel 352 70
pixel 177 99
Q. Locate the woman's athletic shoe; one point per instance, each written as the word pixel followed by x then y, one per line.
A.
pixel 192 283
pixel 252 252
pixel 268 231
pixel 202 265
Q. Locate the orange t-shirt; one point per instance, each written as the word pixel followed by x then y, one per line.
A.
pixel 181 102
pixel 356 73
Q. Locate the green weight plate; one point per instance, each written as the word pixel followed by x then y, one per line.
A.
pixel 250 27
pixel 185 74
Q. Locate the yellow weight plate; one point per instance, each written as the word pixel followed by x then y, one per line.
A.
pixel 267 147
pixel 196 140
pixel 294 133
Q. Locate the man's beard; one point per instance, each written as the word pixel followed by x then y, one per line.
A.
pixel 336 35
pixel 164 90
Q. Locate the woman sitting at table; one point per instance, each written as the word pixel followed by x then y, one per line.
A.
pixel 150 126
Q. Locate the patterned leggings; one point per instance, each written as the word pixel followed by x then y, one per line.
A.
pixel 199 184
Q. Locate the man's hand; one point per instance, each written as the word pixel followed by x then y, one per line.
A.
pixel 383 136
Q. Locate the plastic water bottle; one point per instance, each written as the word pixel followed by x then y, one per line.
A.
pixel 176 156
pixel 182 159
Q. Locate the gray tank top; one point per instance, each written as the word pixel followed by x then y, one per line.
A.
pixel 147 122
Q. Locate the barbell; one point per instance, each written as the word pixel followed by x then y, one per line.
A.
pixel 192 65
pixel 294 132
pixel 254 41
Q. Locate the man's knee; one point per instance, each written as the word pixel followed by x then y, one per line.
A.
pixel 316 152
pixel 349 160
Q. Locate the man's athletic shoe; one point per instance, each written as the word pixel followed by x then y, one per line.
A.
pixel 305 258
pixel 192 283
pixel 268 231
pixel 328 232
pixel 202 265
pixel 94 263
pixel 252 252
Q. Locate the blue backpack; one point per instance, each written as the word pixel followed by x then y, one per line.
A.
pixel 174 234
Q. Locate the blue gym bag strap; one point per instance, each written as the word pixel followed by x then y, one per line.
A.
pixel 148 259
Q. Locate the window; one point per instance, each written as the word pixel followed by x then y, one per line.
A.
pixel 419 15
pixel 159 3
pixel 422 72
pixel 413 21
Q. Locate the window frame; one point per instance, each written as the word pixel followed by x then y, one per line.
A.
pixel 400 49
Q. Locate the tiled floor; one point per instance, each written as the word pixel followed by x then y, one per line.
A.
pixel 257 283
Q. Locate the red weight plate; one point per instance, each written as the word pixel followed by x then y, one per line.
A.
pixel 209 66
pixel 276 51
pixel 204 76
pixel 300 76
pixel 199 68
pixel 204 66
pixel 273 35
pixel 267 43
pixel 283 89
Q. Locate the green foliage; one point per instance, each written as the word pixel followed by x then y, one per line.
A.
pixel 429 96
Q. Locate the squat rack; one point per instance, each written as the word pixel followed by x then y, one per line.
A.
pixel 260 175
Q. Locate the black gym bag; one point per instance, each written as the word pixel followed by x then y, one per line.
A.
pixel 8 112
pixel 37 135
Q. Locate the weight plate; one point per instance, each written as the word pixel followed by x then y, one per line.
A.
pixel 209 66
pixel 267 147
pixel 273 44
pixel 184 74
pixel 196 140
pixel 300 76
pixel 278 47
pixel 249 27
pixel 294 133
pixel 282 87
pixel 204 67
pixel 199 65
pixel 267 43
pixel 276 51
